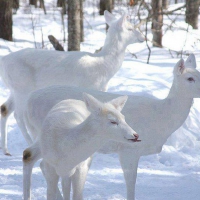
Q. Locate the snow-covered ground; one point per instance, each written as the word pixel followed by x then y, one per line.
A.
pixel 174 174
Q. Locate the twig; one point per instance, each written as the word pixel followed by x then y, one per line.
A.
pixel 143 21
pixel 134 55
pixel 147 44
pixel 171 12
pixel 33 27
pixel 42 38
pixel 63 25
pixel 185 40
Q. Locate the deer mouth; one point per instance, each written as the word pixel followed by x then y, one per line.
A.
pixel 134 140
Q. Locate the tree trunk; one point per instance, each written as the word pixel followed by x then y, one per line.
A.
pixel 6 19
pixel 15 4
pixel 105 5
pixel 73 25
pixel 113 4
pixel 62 3
pixel 64 9
pixel 157 22
pixel 59 3
pixel 33 2
pixel 176 1
pixel 43 6
pixel 192 13
pixel 81 21
pixel 165 4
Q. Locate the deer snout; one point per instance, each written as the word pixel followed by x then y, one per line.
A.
pixel 136 136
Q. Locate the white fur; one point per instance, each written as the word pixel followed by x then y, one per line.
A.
pixel 72 131
pixel 155 120
pixel 31 69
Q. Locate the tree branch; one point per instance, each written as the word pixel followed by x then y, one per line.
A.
pixel 55 43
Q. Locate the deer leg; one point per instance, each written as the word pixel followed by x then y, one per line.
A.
pixel 52 181
pixel 23 129
pixel 66 187
pixel 6 109
pixel 129 164
pixel 79 178
pixel 30 156
pixel 42 167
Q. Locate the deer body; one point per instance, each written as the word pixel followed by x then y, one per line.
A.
pixel 154 119
pixel 73 130
pixel 41 68
pixel 61 68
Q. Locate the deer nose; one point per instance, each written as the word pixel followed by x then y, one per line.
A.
pixel 136 136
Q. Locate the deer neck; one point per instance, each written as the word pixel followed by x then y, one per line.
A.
pixel 157 120
pixel 180 97
pixel 87 138
pixel 177 107
pixel 113 53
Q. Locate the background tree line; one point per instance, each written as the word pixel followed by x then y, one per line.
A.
pixel 74 11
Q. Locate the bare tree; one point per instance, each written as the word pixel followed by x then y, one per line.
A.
pixel 15 4
pixel 59 3
pixel 81 21
pixel 105 5
pixel 157 22
pixel 192 12
pixel 165 4
pixel 33 2
pixel 62 3
pixel 6 19
pixel 74 25
pixel 43 6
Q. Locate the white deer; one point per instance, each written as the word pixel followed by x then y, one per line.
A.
pixel 72 131
pixel 154 119
pixel 31 69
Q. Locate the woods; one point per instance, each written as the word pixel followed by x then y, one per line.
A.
pixel 72 12
pixel 140 48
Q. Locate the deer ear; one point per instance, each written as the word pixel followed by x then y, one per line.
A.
pixel 119 102
pixel 121 21
pixel 191 61
pixel 92 104
pixel 109 17
pixel 179 67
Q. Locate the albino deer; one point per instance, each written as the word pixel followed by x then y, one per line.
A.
pixel 72 131
pixel 31 69
pixel 154 119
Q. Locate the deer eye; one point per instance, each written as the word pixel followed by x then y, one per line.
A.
pixel 114 122
pixel 190 79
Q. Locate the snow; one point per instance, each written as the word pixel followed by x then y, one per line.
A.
pixel 174 173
